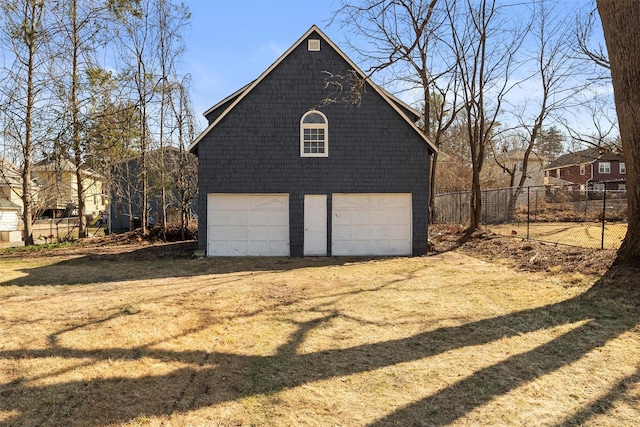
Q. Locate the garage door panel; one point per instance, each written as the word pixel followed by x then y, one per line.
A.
pixel 398 216
pixel 360 232
pixel 218 233
pixel 278 230
pixel 238 232
pixel 401 232
pixel 238 248
pixel 372 224
pixel 266 203
pixel 278 247
pixel 380 247
pixel 248 224
pixel 279 217
pixel 341 232
pixel 399 247
pixel 341 247
pixel 218 248
pixel 341 216
pixel 360 247
pixel 258 218
pixel 217 217
pixel 380 233
pixel 258 248
pixel 238 218
pixel 257 232
pixel 390 201
pixel 360 216
pixel 354 201
pixel 380 216
pixel 231 203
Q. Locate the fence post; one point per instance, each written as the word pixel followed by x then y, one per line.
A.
pixel 483 203
pixel 604 210
pixel 528 210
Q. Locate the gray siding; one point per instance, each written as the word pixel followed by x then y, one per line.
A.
pixel 126 188
pixel 255 148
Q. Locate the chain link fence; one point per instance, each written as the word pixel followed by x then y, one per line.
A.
pixel 564 215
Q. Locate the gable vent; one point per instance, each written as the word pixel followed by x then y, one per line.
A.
pixel 313 45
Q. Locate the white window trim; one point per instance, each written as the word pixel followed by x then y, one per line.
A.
pixel 602 169
pixel 623 168
pixel 313 45
pixel 324 126
pixel 583 169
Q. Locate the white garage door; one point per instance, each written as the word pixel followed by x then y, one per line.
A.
pixel 371 224
pixel 8 219
pixel 248 225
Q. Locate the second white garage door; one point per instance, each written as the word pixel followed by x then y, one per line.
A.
pixel 248 225
pixel 371 224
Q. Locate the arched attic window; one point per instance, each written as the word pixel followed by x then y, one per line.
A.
pixel 314 130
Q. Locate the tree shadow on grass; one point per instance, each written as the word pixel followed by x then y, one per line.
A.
pixel 604 311
pixel 606 402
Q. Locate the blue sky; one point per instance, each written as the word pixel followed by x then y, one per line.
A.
pixel 231 42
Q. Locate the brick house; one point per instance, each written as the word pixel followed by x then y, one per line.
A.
pixel 591 169
pixel 283 173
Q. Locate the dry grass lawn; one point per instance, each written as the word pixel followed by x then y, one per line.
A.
pixel 584 234
pixel 447 339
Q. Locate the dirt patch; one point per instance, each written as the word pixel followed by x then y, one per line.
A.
pixel 524 254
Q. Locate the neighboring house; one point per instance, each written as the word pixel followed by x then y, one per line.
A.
pixel 58 193
pixel 291 166
pixel 514 161
pixel 126 189
pixel 9 221
pixel 11 183
pixel 591 169
pixel 11 204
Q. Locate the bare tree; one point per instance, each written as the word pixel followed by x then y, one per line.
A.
pixel 556 79
pixel 136 35
pixel 186 174
pixel 405 43
pixel 603 130
pixel 584 30
pixel 150 49
pixel 485 47
pixel 76 41
pixel 597 103
pixel 171 19
pixel 25 34
pixel 620 24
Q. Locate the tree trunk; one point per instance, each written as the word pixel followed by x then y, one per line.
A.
pixel 620 20
pixel 475 205
pixel 75 120
pixel 31 26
